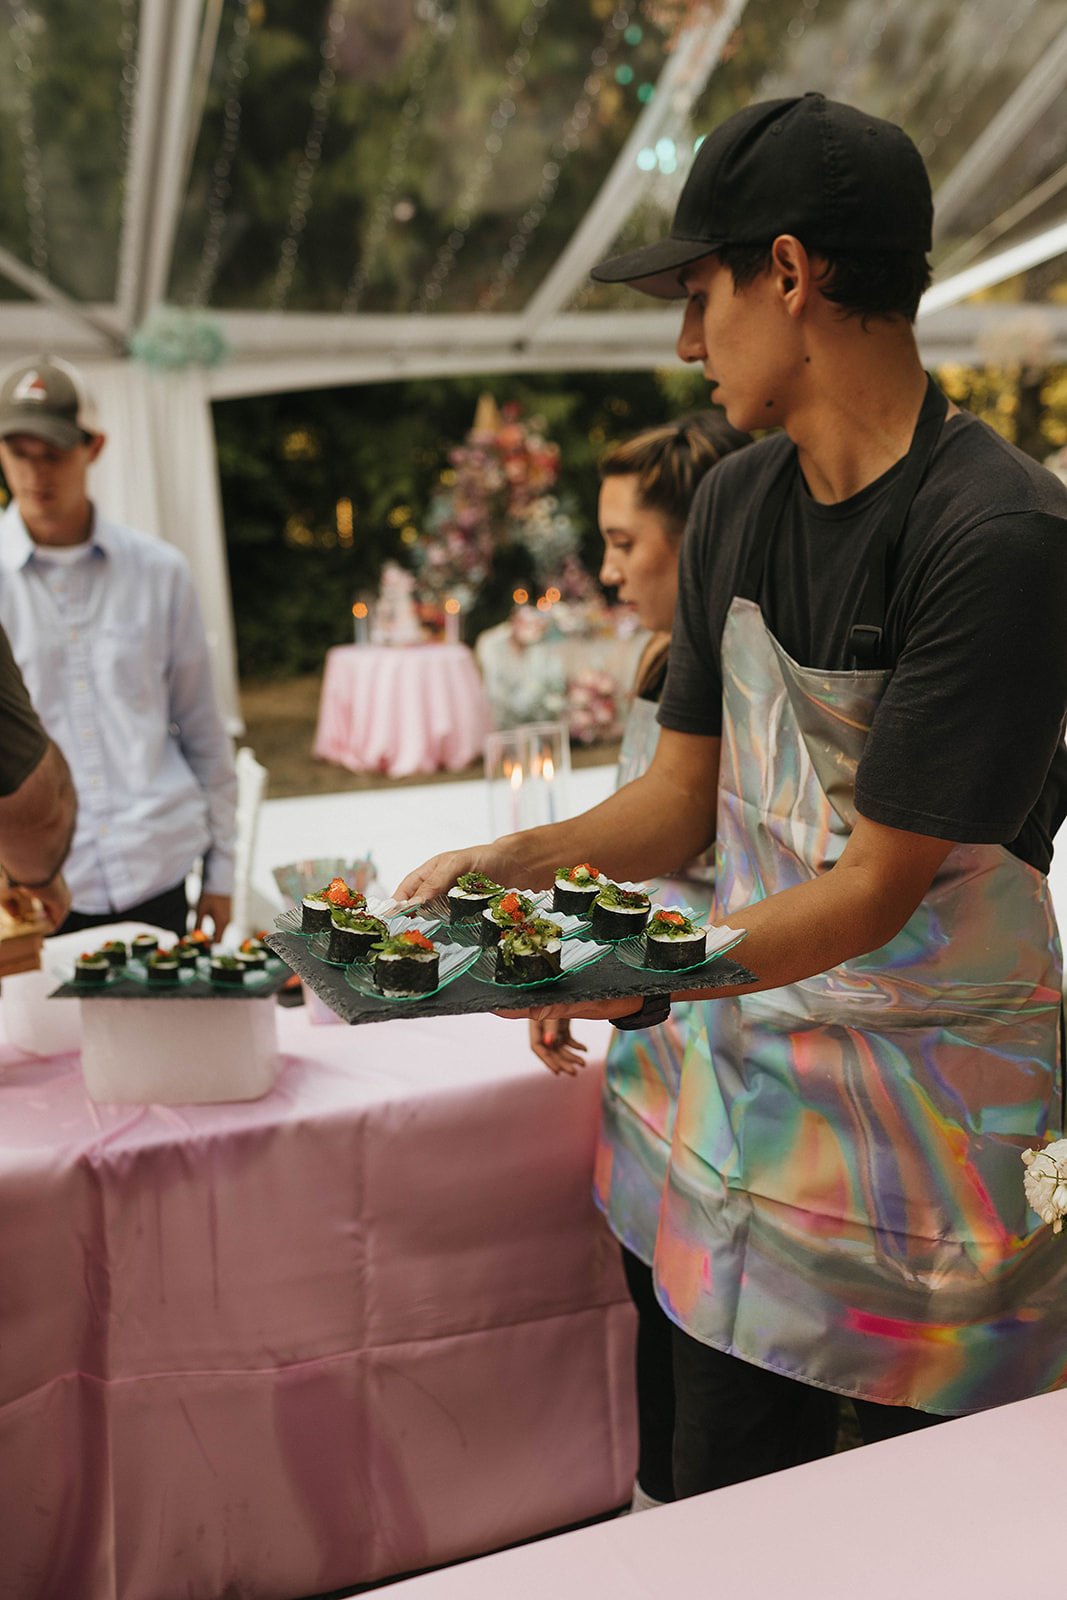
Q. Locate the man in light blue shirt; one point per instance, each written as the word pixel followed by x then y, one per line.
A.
pixel 106 629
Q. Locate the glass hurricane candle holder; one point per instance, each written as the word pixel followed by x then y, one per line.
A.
pixel 526 773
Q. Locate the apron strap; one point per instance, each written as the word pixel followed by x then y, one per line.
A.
pixel 867 634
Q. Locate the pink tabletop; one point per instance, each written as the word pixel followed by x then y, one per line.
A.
pixel 971 1509
pixel 401 711
pixel 366 1324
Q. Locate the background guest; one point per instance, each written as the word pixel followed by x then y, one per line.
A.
pixel 647 486
pixel 104 624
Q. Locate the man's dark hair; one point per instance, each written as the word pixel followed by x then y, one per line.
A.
pixel 864 283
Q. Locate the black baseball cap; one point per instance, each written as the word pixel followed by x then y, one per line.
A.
pixel 834 176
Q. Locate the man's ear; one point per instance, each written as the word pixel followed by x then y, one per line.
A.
pixel 791 271
pixel 96 444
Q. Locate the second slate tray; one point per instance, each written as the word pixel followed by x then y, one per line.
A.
pixel 607 979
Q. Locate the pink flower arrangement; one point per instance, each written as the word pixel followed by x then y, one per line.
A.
pixel 592 710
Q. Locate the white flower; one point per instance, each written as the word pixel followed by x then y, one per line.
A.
pixel 1045 1182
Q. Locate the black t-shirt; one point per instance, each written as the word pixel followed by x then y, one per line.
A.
pixel 967 743
pixel 23 741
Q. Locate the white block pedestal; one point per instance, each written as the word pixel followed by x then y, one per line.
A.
pixel 179 1052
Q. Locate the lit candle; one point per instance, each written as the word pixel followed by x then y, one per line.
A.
pixel 548 772
pixel 515 777
pixel 452 611
pixel 361 613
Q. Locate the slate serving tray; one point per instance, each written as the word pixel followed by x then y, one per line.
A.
pixel 199 987
pixel 607 979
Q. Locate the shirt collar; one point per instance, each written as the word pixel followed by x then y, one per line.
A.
pixel 17 548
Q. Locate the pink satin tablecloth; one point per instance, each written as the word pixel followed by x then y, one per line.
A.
pixel 401 711
pixel 369 1323
pixel 969 1510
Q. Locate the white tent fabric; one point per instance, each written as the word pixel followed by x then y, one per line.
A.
pixel 158 473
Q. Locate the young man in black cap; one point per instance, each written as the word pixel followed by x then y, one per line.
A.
pixel 865 708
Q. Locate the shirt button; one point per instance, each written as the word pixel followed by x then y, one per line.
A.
pixel 94 783
pixel 72 635
pixel 81 685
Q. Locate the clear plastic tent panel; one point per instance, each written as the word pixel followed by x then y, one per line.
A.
pixel 427 157
pixel 943 70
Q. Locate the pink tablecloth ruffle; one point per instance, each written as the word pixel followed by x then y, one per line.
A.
pixel 401 711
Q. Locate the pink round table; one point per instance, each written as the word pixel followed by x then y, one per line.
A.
pixel 401 710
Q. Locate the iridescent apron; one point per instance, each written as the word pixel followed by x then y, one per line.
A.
pixel 844 1202
pixel 643 1069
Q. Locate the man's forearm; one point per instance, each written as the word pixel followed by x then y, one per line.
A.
pixel 37 822
pixel 647 829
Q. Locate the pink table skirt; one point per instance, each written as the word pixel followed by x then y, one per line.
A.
pixel 368 1323
pixel 401 711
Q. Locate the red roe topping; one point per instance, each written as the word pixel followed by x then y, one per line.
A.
pixel 339 894
pixel 417 940
pixel 511 906
pixel 583 866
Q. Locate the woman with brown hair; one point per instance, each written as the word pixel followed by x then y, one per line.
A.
pixel 647 485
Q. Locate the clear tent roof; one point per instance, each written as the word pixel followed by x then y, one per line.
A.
pixel 365 187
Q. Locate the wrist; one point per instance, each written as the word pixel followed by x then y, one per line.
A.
pixel 654 1010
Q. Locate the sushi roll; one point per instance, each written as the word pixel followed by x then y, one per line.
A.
pixel 575 889
pixel 406 963
pixel 504 911
pixel 530 953
pixel 143 945
pixel 353 935
pixel 673 942
pixel 470 895
pixel 619 913
pixel 227 970
pixel 252 954
pixel 187 954
pixel 162 966
pixel 115 952
pixel 316 908
pixel 92 967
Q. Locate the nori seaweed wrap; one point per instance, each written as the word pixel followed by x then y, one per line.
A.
pixel 504 911
pixel 115 952
pixel 672 942
pixel 575 889
pixel 315 908
pixel 406 963
pixel 228 970
pixel 353 935
pixel 470 894
pixel 92 967
pixel 162 966
pixel 530 953
pixel 619 913
pixel 143 945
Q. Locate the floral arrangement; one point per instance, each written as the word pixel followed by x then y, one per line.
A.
pixel 172 338
pixel 497 489
pixel 1045 1182
pixel 592 710
pixel 396 617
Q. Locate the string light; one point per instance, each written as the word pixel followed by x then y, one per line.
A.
pixel 568 140
pixel 475 186
pixel 25 25
pixel 221 186
pixel 438 25
pixel 300 201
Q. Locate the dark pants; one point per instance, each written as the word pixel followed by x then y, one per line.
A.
pixel 655 1382
pixel 737 1421
pixel 167 910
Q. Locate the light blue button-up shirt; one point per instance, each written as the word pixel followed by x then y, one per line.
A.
pixel 113 652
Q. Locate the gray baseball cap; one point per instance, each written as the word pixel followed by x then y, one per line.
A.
pixel 48 400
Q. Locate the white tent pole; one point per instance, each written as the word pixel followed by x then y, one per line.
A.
pixel 687 71
pixel 176 134
pixel 201 78
pixel 1023 109
pixel 165 52
pixel 1019 258
pixel 43 289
